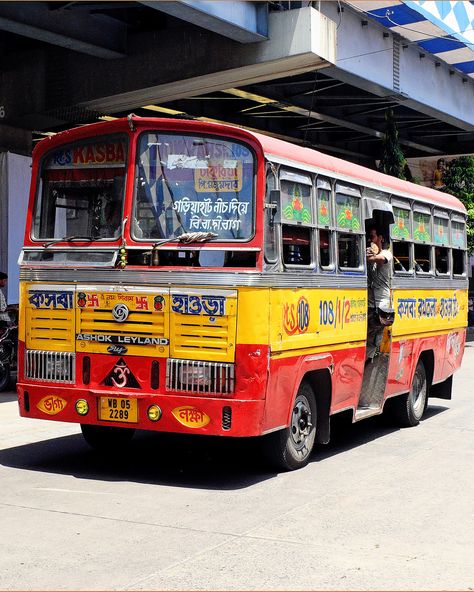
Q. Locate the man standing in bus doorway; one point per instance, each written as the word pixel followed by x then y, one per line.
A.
pixel 380 313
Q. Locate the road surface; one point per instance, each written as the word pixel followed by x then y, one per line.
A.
pixel 379 508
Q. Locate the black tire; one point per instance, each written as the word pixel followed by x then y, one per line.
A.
pixel 408 409
pixel 4 377
pixel 106 438
pixel 290 449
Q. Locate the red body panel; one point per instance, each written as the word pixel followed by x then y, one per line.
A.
pixel 246 415
pixel 264 388
pixel 346 368
pixel 447 351
pixel 247 402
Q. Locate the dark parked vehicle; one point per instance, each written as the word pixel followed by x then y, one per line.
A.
pixel 8 354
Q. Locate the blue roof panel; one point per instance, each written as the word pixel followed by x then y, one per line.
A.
pixel 466 67
pixel 448 26
pixel 440 45
pixel 393 16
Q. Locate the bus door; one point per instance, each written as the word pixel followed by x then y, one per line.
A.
pixel 379 215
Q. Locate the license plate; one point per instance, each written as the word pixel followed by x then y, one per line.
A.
pixel 118 409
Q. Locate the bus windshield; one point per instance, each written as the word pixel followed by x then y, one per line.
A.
pixel 81 190
pixel 189 183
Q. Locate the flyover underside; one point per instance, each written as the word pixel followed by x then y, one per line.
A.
pixel 292 85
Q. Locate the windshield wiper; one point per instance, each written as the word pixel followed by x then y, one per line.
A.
pixel 70 239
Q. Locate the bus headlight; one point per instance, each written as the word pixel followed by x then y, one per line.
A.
pixel 82 407
pixel 154 413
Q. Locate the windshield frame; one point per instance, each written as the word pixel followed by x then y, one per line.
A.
pixel 198 134
pixel 39 184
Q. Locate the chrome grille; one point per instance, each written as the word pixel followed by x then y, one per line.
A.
pixel 203 378
pixel 48 366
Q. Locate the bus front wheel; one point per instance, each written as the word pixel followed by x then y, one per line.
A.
pixel 408 409
pixel 290 448
pixel 106 437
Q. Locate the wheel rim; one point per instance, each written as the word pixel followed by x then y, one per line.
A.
pixel 418 393
pixel 301 422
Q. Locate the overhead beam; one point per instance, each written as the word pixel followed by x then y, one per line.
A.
pixel 92 35
pixel 312 114
pixel 245 22
pixel 299 40
pixel 377 61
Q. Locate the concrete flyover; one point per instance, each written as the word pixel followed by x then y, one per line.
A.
pixel 321 74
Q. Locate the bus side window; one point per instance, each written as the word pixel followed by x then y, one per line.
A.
pixel 297 223
pixel 423 235
pixel 401 257
pixel 325 240
pixel 270 230
pixel 296 245
pixel 324 219
pixel 458 242
pixel 349 251
pixel 349 228
pixel 442 260
pixel 459 262
pixel 422 258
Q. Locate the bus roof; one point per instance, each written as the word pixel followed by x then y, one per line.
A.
pixel 338 166
pixel 291 153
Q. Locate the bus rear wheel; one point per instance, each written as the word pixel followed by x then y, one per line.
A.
pixel 106 438
pixel 290 448
pixel 408 409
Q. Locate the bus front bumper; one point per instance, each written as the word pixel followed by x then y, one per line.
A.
pixel 211 416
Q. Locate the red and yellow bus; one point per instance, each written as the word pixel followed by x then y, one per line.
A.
pixel 192 277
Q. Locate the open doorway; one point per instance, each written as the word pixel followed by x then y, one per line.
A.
pixel 380 314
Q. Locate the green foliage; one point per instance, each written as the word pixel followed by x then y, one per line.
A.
pixel 393 162
pixel 458 180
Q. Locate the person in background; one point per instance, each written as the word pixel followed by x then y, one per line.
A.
pixel 438 182
pixel 470 311
pixel 4 316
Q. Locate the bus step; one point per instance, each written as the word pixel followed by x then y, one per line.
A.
pixel 364 412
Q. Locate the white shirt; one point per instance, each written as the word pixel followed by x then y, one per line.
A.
pixel 380 277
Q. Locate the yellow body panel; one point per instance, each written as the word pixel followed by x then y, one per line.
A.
pixel 423 311
pixel 254 316
pixel 306 318
pixel 190 323
pixel 203 324
pixel 206 324
pixel 95 320
pixel 48 320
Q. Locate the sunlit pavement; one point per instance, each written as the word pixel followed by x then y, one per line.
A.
pixel 379 508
